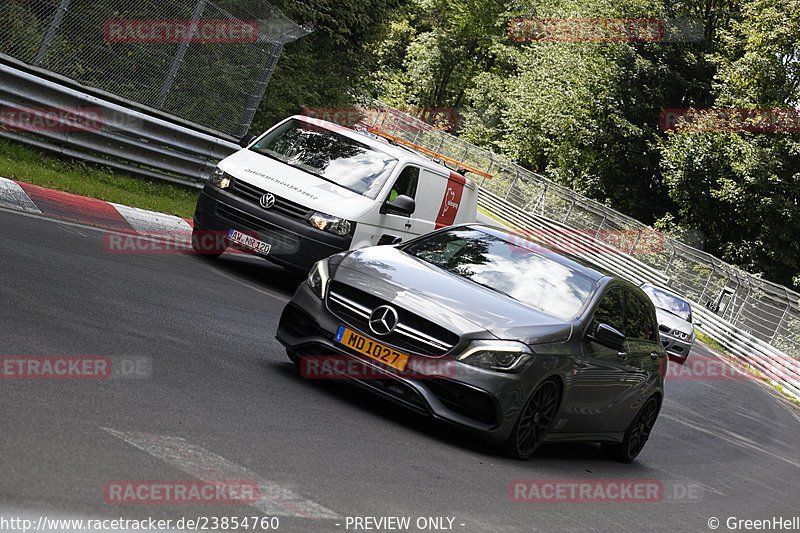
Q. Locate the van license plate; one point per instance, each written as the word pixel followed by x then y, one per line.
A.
pixel 249 242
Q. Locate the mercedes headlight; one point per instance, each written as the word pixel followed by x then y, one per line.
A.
pixel 319 278
pixel 503 356
pixel 336 225
pixel 220 178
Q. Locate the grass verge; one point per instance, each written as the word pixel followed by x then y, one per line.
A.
pixel 711 342
pixel 23 163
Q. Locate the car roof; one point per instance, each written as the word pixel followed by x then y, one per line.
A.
pixel 401 153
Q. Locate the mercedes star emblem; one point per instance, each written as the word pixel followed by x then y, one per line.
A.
pixel 383 320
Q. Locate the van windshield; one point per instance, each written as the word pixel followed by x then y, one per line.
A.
pixel 328 155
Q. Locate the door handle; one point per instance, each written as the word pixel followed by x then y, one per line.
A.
pixel 622 356
pixel 408 225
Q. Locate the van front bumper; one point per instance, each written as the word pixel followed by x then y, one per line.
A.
pixel 295 244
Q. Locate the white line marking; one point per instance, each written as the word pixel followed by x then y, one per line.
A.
pixel 208 466
pixel 12 195
pixel 733 438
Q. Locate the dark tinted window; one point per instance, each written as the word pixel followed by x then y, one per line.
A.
pixel 327 154
pixel 638 324
pixel 610 311
pixel 505 267
pixel 406 183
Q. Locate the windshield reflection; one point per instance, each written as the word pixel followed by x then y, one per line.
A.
pixel 328 155
pixel 668 302
pixel 518 272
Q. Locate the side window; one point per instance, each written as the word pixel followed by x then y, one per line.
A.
pixel 406 183
pixel 610 311
pixel 638 323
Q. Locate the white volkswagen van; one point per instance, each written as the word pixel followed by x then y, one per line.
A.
pixel 308 188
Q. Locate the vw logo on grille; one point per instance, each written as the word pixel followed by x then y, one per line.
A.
pixel 383 320
pixel 267 201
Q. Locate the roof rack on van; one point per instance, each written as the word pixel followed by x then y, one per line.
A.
pixel 459 165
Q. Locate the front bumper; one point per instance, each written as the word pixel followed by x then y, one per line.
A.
pixel 295 244
pixel 481 401
pixel 675 346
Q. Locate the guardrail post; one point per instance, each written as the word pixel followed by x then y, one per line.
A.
pixel 259 87
pixel 511 187
pixel 50 34
pixel 180 53
pixel 785 312
pixel 711 275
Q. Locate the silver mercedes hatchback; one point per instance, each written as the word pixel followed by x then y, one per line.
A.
pixel 486 330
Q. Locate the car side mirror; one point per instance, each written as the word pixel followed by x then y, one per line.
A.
pixel 698 323
pixel 245 141
pixel 609 337
pixel 404 205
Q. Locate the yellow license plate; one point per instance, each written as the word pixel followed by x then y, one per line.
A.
pixel 371 348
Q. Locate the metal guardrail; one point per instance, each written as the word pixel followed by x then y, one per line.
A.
pixel 761 326
pixel 206 61
pixel 773 365
pixel 126 140
pixel 755 320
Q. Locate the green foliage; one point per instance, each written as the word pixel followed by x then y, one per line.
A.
pixel 330 67
pixel 743 189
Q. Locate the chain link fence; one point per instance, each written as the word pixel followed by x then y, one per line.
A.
pixel 207 62
pixel 765 310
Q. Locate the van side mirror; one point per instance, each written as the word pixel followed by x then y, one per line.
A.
pixel 609 337
pixel 403 205
pixel 245 141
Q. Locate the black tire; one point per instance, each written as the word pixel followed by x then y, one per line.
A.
pixel 636 435
pixel 534 421
pixel 208 244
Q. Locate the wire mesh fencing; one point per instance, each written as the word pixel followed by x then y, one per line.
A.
pixel 767 311
pixel 207 62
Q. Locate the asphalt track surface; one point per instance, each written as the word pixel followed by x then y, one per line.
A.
pixel 220 396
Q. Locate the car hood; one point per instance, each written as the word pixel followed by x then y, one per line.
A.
pixel 673 322
pixel 296 185
pixel 451 301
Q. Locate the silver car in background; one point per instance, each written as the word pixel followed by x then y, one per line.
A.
pixel 675 322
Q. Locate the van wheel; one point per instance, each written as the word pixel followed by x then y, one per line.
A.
pixel 209 243
pixel 636 435
pixel 534 421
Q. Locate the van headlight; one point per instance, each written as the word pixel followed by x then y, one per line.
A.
pixel 503 356
pixel 336 225
pixel 220 178
pixel 318 278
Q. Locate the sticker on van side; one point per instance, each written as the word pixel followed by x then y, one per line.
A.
pixel 451 200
